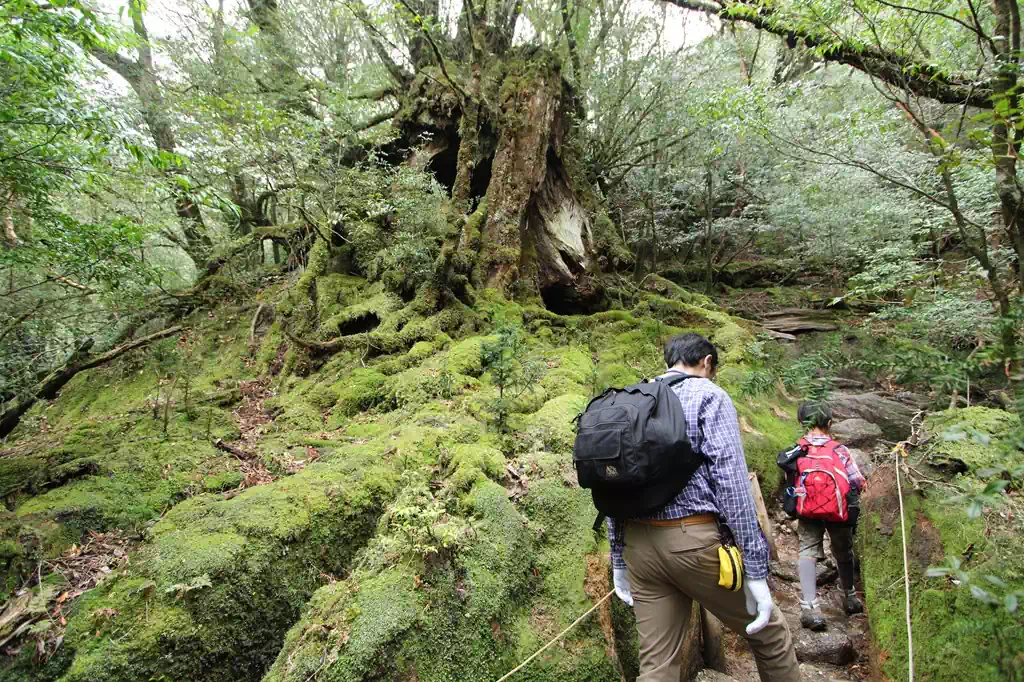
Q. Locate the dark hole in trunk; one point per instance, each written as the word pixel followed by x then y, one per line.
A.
pixel 570 262
pixel 445 165
pixel 407 293
pixel 481 177
pixel 366 322
pixel 566 300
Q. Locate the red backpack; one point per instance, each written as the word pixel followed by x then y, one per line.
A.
pixel 821 484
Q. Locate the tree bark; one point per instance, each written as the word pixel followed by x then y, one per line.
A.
pixel 1006 38
pixel 709 221
pixel 711 630
pixel 506 113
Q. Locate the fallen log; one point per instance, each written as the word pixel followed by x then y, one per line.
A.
pixel 229 448
pixel 779 336
pixel 79 361
pixel 796 320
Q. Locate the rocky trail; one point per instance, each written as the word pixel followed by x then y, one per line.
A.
pixel 841 653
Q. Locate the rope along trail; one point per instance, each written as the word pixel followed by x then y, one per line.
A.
pixel 557 637
pixel 906 568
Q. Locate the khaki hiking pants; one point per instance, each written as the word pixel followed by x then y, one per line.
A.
pixel 669 568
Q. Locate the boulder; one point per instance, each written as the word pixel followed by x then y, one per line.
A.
pixel 863 460
pixel 832 646
pixel 855 432
pixel 892 417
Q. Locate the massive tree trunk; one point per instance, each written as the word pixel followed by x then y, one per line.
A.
pixel 1005 132
pixel 503 148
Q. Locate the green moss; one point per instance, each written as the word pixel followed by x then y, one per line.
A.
pixel 569 370
pixel 333 291
pixel 956 637
pixel 374 309
pixel 668 289
pixel 471 463
pixel 227 480
pixel 961 434
pixel 765 436
pixel 263 553
pixel 24 472
pixel 608 242
pixel 519 579
pixel 615 374
pixel 316 265
pixel 292 412
pixel 465 356
pixel 361 390
pixel 553 425
pixel 134 486
pixel 514 576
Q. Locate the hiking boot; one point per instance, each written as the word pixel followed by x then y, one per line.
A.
pixel 851 603
pixel 811 617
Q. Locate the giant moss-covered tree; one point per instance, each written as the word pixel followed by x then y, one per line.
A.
pixel 497 122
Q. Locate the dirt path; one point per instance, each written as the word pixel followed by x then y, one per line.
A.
pixel 839 654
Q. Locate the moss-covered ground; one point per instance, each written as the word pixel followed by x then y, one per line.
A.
pixel 420 538
pixel 957 635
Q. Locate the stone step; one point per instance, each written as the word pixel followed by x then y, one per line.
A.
pixel 713 676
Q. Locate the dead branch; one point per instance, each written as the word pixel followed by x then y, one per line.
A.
pixel 79 361
pixel 263 308
pixel 231 449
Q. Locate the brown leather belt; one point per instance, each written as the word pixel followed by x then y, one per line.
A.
pixel 675 523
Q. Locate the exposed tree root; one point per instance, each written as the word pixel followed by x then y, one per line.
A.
pixel 220 444
pixel 353 342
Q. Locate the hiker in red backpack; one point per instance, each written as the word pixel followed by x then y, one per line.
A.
pixel 824 481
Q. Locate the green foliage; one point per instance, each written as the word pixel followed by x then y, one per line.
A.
pixel 964 576
pixel 418 524
pixel 510 370
pixel 397 219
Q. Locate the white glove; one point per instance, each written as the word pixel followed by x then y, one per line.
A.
pixel 759 601
pixel 621 581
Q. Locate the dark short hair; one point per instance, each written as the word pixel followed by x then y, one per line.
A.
pixel 814 415
pixel 689 349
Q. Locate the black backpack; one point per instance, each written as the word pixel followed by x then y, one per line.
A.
pixel 632 450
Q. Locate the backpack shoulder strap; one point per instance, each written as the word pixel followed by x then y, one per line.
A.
pixel 831 446
pixel 674 380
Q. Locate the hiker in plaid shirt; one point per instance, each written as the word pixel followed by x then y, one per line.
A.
pixel 663 563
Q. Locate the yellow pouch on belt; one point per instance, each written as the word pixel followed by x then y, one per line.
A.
pixel 730 570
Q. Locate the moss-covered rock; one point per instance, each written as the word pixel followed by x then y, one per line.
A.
pixel 361 390
pixel 518 583
pixel 554 424
pixel 956 635
pixel 229 576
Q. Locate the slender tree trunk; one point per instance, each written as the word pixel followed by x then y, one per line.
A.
pixel 709 218
pixel 141 76
pixel 1006 38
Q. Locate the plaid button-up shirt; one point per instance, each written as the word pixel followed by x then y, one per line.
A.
pixel 721 485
